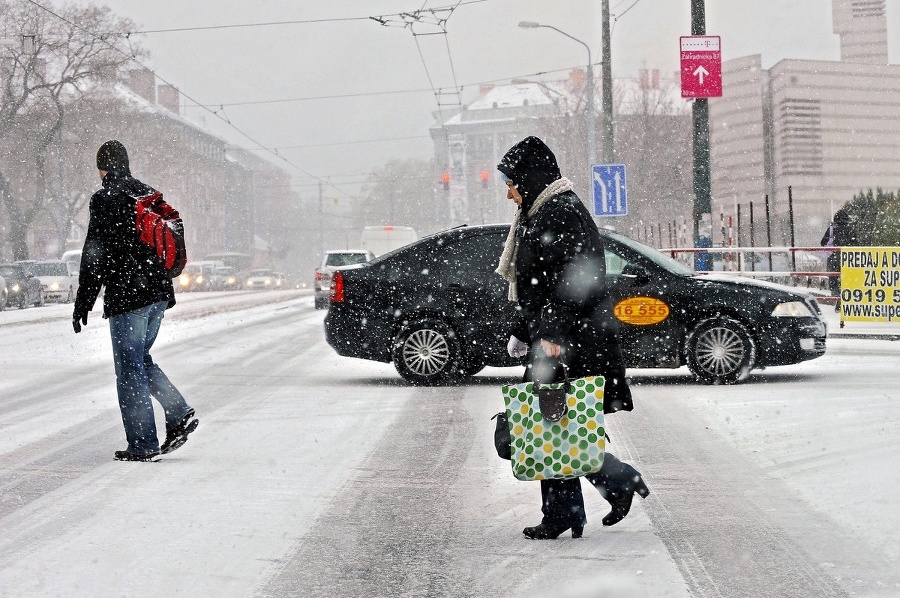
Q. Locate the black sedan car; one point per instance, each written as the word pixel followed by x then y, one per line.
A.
pixel 438 310
pixel 23 287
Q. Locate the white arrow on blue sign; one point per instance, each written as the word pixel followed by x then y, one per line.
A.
pixel 610 197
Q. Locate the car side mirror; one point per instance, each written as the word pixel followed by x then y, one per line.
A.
pixel 636 275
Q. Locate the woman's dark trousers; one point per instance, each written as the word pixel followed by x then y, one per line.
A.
pixel 563 503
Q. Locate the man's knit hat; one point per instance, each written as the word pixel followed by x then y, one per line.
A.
pixel 112 157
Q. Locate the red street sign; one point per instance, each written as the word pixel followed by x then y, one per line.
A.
pixel 701 66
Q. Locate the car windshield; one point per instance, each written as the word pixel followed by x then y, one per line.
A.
pixel 50 269
pixel 11 271
pixel 345 259
pixel 657 257
pixel 262 273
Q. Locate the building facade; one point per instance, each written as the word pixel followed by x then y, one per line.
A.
pixel 808 135
pixel 652 137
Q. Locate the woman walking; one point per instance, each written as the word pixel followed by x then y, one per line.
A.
pixel 555 266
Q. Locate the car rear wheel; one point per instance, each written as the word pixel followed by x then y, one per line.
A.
pixel 426 352
pixel 720 350
pixel 321 302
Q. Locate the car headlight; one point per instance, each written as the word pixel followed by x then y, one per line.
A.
pixel 16 288
pixel 792 309
pixel 54 286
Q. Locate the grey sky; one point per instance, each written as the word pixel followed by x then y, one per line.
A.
pixel 224 66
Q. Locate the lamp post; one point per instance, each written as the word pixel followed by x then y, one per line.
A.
pixel 591 113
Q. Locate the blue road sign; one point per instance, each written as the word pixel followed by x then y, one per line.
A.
pixel 610 198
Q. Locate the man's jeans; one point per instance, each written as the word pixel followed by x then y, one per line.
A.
pixel 137 378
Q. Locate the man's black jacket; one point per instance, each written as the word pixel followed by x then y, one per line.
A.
pixel 115 258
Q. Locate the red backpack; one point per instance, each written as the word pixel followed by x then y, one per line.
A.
pixel 159 226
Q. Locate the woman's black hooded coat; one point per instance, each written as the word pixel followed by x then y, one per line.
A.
pixel 560 275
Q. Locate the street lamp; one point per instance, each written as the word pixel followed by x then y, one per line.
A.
pixel 592 114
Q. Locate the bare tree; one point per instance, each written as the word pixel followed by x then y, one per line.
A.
pixel 50 61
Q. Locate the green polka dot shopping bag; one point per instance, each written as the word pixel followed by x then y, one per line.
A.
pixel 568 448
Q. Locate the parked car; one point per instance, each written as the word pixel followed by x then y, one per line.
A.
pixel 438 311
pixel 59 280
pixel 264 279
pixel 22 286
pixel 331 261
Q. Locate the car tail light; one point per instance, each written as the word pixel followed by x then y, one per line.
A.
pixel 319 275
pixel 337 287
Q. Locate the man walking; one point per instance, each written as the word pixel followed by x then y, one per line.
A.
pixel 138 291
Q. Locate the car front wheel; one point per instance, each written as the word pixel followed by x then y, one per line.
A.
pixel 426 352
pixel 720 350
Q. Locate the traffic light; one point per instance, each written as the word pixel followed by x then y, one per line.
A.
pixel 485 179
pixel 445 180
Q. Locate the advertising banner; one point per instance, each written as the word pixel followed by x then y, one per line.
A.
pixel 870 284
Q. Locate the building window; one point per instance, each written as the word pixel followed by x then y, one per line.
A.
pixel 801 136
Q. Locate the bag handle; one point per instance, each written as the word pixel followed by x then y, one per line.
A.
pixel 552 401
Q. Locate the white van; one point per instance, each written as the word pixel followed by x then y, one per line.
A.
pixel 381 239
pixel 73 257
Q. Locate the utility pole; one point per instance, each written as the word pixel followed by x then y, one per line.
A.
pixel 702 192
pixel 321 221
pixel 607 99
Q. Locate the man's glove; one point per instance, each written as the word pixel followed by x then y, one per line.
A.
pixel 78 320
pixel 516 348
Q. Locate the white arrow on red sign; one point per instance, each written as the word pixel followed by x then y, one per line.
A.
pixel 701 66
pixel 700 73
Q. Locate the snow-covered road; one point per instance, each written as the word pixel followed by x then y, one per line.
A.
pixel 316 475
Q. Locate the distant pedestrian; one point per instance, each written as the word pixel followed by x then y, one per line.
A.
pixel 138 290
pixel 839 233
pixel 554 262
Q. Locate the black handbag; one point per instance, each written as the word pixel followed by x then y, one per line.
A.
pixel 501 436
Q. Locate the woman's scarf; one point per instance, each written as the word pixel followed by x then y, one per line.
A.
pixel 507 266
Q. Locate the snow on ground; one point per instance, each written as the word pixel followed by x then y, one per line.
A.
pixel 273 455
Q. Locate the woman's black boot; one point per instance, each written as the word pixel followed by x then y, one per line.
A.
pixel 547 531
pixel 617 483
pixel 620 500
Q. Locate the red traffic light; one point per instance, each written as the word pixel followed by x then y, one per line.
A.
pixel 445 179
pixel 485 179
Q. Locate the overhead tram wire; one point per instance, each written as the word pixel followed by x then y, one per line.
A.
pixel 309 145
pixel 364 94
pixel 328 97
pixel 438 18
pixel 616 17
pixel 624 12
pixel 305 146
pixel 133 58
pixel 281 23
